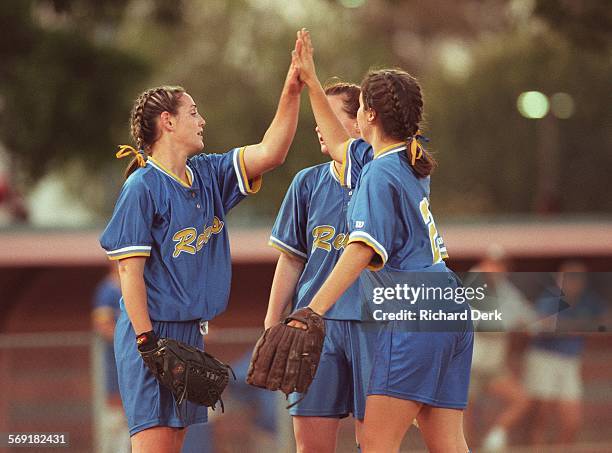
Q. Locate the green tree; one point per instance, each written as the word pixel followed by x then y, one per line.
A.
pixel 62 90
pixel 488 151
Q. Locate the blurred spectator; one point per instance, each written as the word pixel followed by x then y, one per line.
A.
pixel 491 375
pixel 12 206
pixel 116 438
pixel 553 361
pixel 261 406
pixel 253 416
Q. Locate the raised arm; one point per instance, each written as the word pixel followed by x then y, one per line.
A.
pixel 272 150
pixel 332 130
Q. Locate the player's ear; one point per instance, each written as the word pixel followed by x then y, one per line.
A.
pixel 371 115
pixel 166 122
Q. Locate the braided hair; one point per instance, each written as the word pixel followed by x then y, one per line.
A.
pixel 396 98
pixel 145 113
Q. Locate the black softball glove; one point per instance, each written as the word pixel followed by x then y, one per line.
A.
pixel 189 374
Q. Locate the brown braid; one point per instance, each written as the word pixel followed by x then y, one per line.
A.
pixel 396 98
pixel 145 114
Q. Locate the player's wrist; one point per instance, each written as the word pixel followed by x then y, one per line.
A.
pixel 311 81
pixel 316 309
pixel 146 341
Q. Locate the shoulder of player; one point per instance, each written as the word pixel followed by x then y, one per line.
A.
pixel 396 166
pixel 358 143
pixel 379 168
pixel 199 160
pixel 310 176
pixel 207 158
pixel 145 180
pixel 141 178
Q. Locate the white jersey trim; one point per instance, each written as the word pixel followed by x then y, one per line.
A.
pixel 333 171
pixel 370 241
pixel 391 151
pixel 288 247
pixel 236 160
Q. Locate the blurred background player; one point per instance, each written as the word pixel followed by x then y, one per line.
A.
pixel 115 435
pixel 311 231
pixel 553 362
pixel 491 372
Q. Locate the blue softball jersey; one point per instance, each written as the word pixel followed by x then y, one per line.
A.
pixel 390 211
pixel 311 226
pixel 181 229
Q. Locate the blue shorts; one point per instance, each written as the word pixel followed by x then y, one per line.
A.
pixel 428 367
pixel 146 402
pixel 340 385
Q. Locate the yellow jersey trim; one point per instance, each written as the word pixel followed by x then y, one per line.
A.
pixel 172 175
pixel 389 149
pixel 288 252
pixel 129 255
pixel 346 164
pixel 250 187
pixel 374 265
pixel 334 172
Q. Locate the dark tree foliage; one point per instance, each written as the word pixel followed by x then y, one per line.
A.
pixel 586 23
pixel 61 90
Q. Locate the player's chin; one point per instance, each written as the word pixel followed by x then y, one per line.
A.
pixel 197 148
pixel 324 150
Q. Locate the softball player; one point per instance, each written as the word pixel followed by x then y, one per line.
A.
pixel 168 233
pixel 392 233
pixel 310 230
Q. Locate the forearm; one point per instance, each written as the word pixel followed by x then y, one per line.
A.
pixel 135 293
pixel 286 276
pixel 331 128
pixel 274 146
pixel 355 259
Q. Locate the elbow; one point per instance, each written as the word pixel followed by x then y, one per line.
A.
pixel 280 159
pixel 275 157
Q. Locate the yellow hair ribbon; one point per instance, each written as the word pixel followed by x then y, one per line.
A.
pixel 416 152
pixel 126 150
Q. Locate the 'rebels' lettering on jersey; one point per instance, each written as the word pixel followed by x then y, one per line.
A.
pixel 311 226
pixel 325 238
pixel 161 217
pixel 190 242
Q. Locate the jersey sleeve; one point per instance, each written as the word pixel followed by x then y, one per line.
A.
pixel 357 153
pixel 289 233
pixel 230 171
pixel 128 232
pixel 371 217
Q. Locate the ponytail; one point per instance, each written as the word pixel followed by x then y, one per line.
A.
pixel 139 159
pixel 421 160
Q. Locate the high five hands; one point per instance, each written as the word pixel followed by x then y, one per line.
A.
pixel 304 57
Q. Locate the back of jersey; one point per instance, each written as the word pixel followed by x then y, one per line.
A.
pixel 390 212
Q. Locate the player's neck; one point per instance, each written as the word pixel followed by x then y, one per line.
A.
pixel 337 167
pixel 171 158
pixel 380 142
